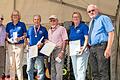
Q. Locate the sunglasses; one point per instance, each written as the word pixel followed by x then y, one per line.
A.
pixel 1 18
pixel 91 11
pixel 52 20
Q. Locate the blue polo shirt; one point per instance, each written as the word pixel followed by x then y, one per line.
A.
pixel 20 28
pixel 102 26
pixel 33 40
pixel 78 33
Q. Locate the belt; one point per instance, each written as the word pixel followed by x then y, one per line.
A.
pixel 99 44
pixel 1 46
pixel 12 43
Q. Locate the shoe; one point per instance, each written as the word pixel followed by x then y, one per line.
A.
pixel 7 77
pixel 3 76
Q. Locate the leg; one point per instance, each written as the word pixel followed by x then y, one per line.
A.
pixel 2 61
pixel 30 67
pixel 19 57
pixel 59 69
pixel 74 63
pixel 40 67
pixel 53 69
pixel 82 62
pixel 94 64
pixel 11 54
pixel 103 63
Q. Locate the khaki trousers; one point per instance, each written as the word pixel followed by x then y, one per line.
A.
pixel 15 52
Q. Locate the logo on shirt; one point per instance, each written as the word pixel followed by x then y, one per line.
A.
pixel 19 28
pixel 78 31
pixel 40 32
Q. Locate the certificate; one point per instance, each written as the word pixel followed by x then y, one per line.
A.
pixel 74 47
pixel 14 36
pixel 48 48
pixel 33 51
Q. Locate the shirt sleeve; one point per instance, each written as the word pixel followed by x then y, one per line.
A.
pixel 3 35
pixel 28 33
pixel 85 29
pixel 24 28
pixel 46 34
pixel 7 28
pixel 64 34
pixel 107 24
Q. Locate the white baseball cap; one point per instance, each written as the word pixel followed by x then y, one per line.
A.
pixel 53 17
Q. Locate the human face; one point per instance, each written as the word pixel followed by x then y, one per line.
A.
pixel 76 18
pixel 36 21
pixel 92 11
pixel 15 16
pixel 53 22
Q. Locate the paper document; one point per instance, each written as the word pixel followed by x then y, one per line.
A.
pixel 74 47
pixel 33 51
pixel 40 40
pixel 14 36
pixel 48 48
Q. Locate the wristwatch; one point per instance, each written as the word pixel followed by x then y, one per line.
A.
pixel 62 51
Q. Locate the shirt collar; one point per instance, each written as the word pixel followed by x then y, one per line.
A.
pixel 97 17
pixel 53 29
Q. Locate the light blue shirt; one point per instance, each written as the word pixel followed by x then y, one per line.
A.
pixel 102 26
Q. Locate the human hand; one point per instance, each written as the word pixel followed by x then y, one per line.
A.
pixel 61 55
pixel 107 53
pixel 40 45
pixel 81 51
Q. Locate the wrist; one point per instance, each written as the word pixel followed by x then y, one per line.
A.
pixel 62 51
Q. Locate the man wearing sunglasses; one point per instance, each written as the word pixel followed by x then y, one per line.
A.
pixel 58 35
pixel 101 35
pixel 2 46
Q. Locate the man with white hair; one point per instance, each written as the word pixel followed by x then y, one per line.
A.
pixel 101 35
pixel 58 35
pixel 2 46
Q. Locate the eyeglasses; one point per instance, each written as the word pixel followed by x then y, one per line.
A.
pixel 15 15
pixel 1 19
pixel 52 20
pixel 91 11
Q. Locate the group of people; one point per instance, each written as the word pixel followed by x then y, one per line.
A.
pixel 98 35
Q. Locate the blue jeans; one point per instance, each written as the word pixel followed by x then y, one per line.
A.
pixel 40 67
pixel 79 63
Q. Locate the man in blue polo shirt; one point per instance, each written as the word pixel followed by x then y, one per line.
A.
pixel 34 34
pixel 101 35
pixel 16 33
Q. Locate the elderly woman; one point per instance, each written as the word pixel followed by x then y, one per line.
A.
pixel 79 31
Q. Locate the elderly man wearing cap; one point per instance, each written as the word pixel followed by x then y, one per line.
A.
pixel 2 45
pixel 58 35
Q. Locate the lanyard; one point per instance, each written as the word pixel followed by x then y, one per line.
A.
pixel 36 30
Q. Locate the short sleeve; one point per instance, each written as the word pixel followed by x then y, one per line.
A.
pixel 85 29
pixel 107 24
pixel 64 34
pixel 24 28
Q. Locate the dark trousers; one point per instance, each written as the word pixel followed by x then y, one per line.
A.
pixel 2 60
pixel 100 66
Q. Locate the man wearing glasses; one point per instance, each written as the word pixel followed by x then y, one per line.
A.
pixel 15 34
pixel 58 35
pixel 101 35
pixel 2 46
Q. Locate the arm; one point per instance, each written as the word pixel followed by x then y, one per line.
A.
pixel 85 44
pixel 61 54
pixel 107 52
